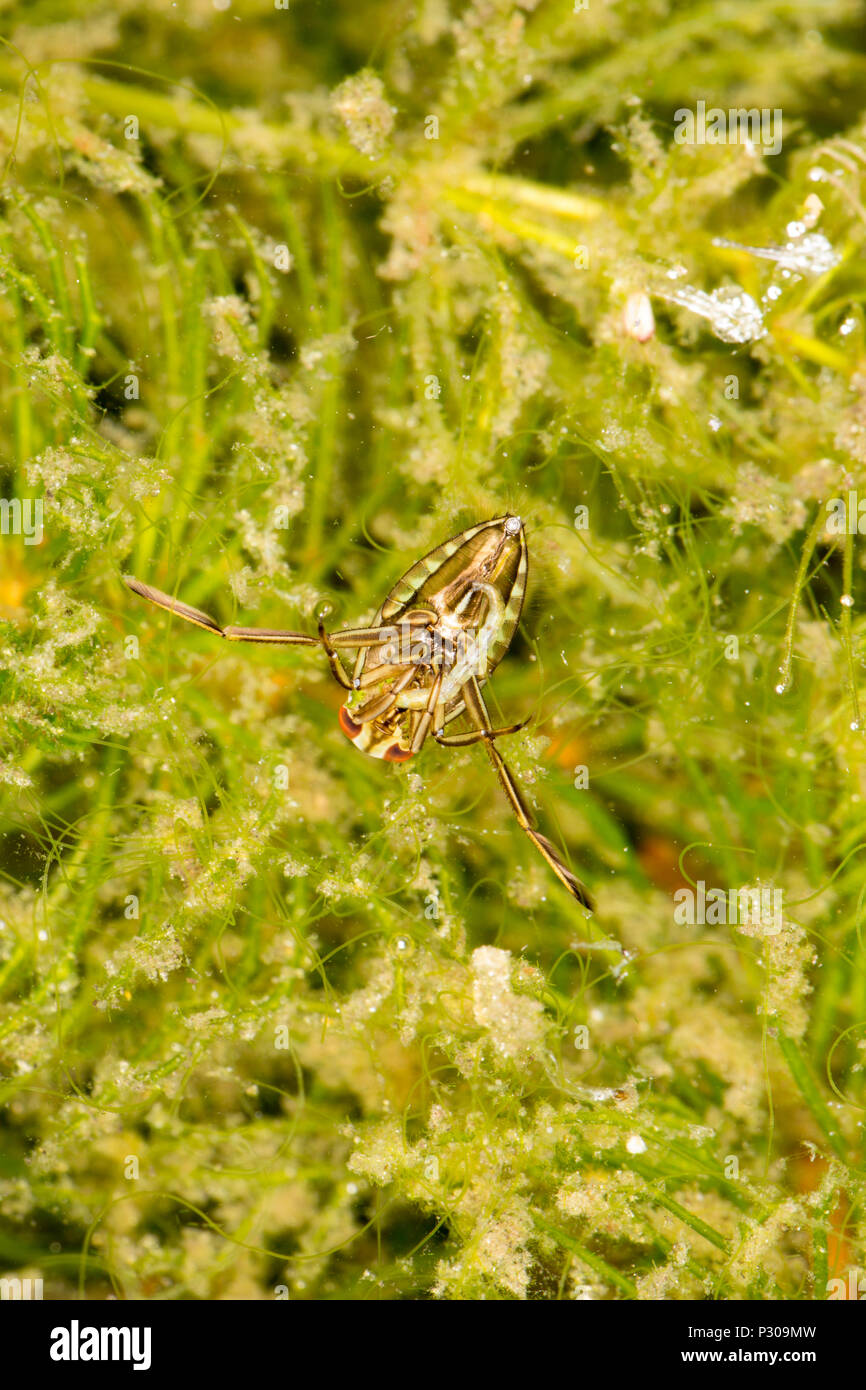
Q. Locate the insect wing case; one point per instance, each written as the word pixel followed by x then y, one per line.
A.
pixel 493 553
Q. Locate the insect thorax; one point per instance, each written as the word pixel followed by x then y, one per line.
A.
pixel 450 618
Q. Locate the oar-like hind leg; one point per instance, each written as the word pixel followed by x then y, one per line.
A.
pixel 232 634
pixel 476 709
pixel 478 735
pixel 348 637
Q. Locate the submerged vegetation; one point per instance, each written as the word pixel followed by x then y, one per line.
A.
pixel 287 297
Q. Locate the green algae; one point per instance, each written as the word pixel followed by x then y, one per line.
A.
pixel 282 307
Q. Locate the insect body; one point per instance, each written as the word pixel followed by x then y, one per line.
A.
pixel 435 641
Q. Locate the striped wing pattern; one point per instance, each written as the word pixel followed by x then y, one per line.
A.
pixel 445 562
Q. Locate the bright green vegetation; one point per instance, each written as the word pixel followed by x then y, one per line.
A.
pixel 273 1014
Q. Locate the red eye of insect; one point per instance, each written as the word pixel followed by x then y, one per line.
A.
pixel 396 754
pixel 347 723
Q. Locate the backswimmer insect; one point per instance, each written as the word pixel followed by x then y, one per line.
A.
pixel 435 641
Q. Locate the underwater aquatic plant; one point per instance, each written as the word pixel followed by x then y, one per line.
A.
pixel 276 316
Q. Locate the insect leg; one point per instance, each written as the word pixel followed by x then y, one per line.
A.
pixel 382 704
pixel 232 634
pixel 356 637
pixel 375 675
pixel 476 735
pixel 368 636
pixel 338 670
pixel 422 729
pixel 477 710
pixel 278 635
